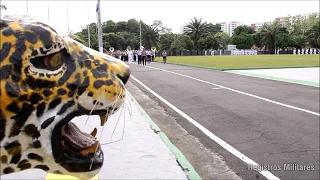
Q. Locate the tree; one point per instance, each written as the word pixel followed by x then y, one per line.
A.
pixel 133 26
pixel 195 29
pixel 303 31
pixel 202 43
pixel 83 35
pixel 166 40
pixel 130 40
pixel 242 37
pixel 181 42
pixel 314 31
pixel 78 38
pixel 211 28
pixel 223 39
pixel 114 40
pixel 108 26
pixel 245 29
pixel 157 24
pixel 258 40
pixel 150 36
pixel 283 38
pixel 268 35
pixel 120 26
pixel 208 41
pixel 243 41
pixel 176 46
pixel 186 42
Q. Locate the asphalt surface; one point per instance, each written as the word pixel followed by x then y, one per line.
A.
pixel 265 132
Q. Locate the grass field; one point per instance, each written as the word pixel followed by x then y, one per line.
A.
pixel 244 62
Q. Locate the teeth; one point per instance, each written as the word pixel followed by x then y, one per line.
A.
pixel 94 132
pixel 103 119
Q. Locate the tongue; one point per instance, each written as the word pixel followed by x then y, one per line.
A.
pixel 76 137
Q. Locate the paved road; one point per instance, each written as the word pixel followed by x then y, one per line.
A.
pixel 265 132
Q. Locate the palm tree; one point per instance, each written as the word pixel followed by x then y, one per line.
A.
pixel 269 34
pixel 195 29
pixel 150 36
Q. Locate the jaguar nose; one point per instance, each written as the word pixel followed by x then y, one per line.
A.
pixel 125 77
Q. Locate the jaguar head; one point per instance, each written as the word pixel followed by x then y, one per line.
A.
pixel 46 80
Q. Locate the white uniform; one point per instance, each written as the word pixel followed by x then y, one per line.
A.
pixel 130 56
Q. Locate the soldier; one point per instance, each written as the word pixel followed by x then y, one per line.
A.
pixel 149 55
pixel 130 56
pixel 139 56
pixel 135 55
pixel 143 57
pixel 164 56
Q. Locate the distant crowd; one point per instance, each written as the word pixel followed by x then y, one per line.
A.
pixel 142 56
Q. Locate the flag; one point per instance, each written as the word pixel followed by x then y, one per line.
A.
pixel 98 8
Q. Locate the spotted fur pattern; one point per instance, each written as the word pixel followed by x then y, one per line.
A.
pixel 34 99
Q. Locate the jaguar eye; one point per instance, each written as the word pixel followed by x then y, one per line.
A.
pixel 53 61
pixel 50 62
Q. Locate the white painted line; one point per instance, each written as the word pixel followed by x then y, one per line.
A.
pixel 216 88
pixel 225 145
pixel 240 92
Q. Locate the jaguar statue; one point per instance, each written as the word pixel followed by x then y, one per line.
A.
pixel 46 80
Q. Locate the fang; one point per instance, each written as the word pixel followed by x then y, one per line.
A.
pixel 94 132
pixel 103 119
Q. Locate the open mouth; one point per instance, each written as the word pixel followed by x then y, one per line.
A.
pixel 75 150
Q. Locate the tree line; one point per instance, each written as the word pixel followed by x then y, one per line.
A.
pixel 292 32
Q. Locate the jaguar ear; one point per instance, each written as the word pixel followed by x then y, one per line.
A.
pixel 3 24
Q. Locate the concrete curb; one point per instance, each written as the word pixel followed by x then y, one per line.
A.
pixel 307 83
pixel 181 159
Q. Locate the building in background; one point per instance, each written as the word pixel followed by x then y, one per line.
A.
pixel 257 26
pixel 228 27
pixel 303 16
pixel 183 29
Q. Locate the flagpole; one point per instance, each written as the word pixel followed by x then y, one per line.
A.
pixel 88 25
pixel 67 15
pixel 140 34
pixel 99 27
pixel 48 10
pixel 27 6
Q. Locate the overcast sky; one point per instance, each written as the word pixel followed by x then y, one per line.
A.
pixel 173 14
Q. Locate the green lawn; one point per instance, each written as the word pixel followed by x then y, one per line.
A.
pixel 243 62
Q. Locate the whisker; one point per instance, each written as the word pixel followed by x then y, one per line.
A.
pixel 129 100
pixel 94 106
pixel 122 136
pixel 116 123
pixel 126 98
pixel 113 102
pixel 113 109
pixel 96 150
pixel 123 130
pixel 99 138
pixel 107 116
pixel 129 108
